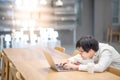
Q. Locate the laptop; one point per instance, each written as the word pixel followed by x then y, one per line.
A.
pixel 52 64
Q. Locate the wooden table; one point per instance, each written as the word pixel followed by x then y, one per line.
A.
pixel 31 63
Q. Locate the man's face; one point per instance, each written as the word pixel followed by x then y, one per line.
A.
pixel 85 55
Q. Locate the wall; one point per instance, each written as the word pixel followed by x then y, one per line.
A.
pixel 66 36
pixel 86 27
pixel 95 17
pixel 102 18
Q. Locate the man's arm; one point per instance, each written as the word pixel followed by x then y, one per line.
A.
pixel 103 63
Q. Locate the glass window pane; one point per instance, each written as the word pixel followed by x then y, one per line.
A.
pixel 115 11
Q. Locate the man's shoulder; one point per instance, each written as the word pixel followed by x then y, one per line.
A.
pixel 103 46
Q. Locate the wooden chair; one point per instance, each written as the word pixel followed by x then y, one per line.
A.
pixel 59 48
pixel 113 32
pixel 0 61
pixel 5 67
pixel 14 74
pixel 75 52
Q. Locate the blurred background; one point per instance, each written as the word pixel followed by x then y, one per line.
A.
pixel 33 23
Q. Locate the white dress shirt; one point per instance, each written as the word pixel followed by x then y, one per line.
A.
pixel 106 56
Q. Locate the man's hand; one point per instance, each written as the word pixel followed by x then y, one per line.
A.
pixel 63 63
pixel 71 66
pixel 77 63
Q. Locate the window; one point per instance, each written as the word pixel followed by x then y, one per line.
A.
pixel 115 11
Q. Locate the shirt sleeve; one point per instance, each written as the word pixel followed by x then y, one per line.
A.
pixel 104 61
pixel 75 58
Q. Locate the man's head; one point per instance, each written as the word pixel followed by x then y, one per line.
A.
pixel 87 46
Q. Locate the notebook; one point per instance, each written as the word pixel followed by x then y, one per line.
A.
pixel 52 64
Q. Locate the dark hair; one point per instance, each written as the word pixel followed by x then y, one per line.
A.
pixel 87 43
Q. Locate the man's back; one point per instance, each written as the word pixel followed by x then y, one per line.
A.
pixel 107 50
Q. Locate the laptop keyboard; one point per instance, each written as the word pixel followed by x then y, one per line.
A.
pixel 61 67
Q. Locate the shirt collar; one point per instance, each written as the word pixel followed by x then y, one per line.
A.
pixel 96 54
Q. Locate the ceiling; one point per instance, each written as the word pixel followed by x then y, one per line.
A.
pixel 58 17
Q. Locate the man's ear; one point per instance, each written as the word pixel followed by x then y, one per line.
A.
pixel 92 52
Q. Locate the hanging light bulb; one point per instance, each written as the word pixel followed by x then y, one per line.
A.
pixel 43 2
pixel 59 3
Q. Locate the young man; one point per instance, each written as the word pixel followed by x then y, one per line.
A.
pixel 103 55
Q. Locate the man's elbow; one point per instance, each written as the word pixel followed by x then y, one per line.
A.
pixel 100 69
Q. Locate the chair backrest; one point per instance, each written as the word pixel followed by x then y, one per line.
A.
pixel 75 52
pixel 14 74
pixel 113 30
pixel 116 28
pixel 0 60
pixel 0 54
pixel 5 66
pixel 59 48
